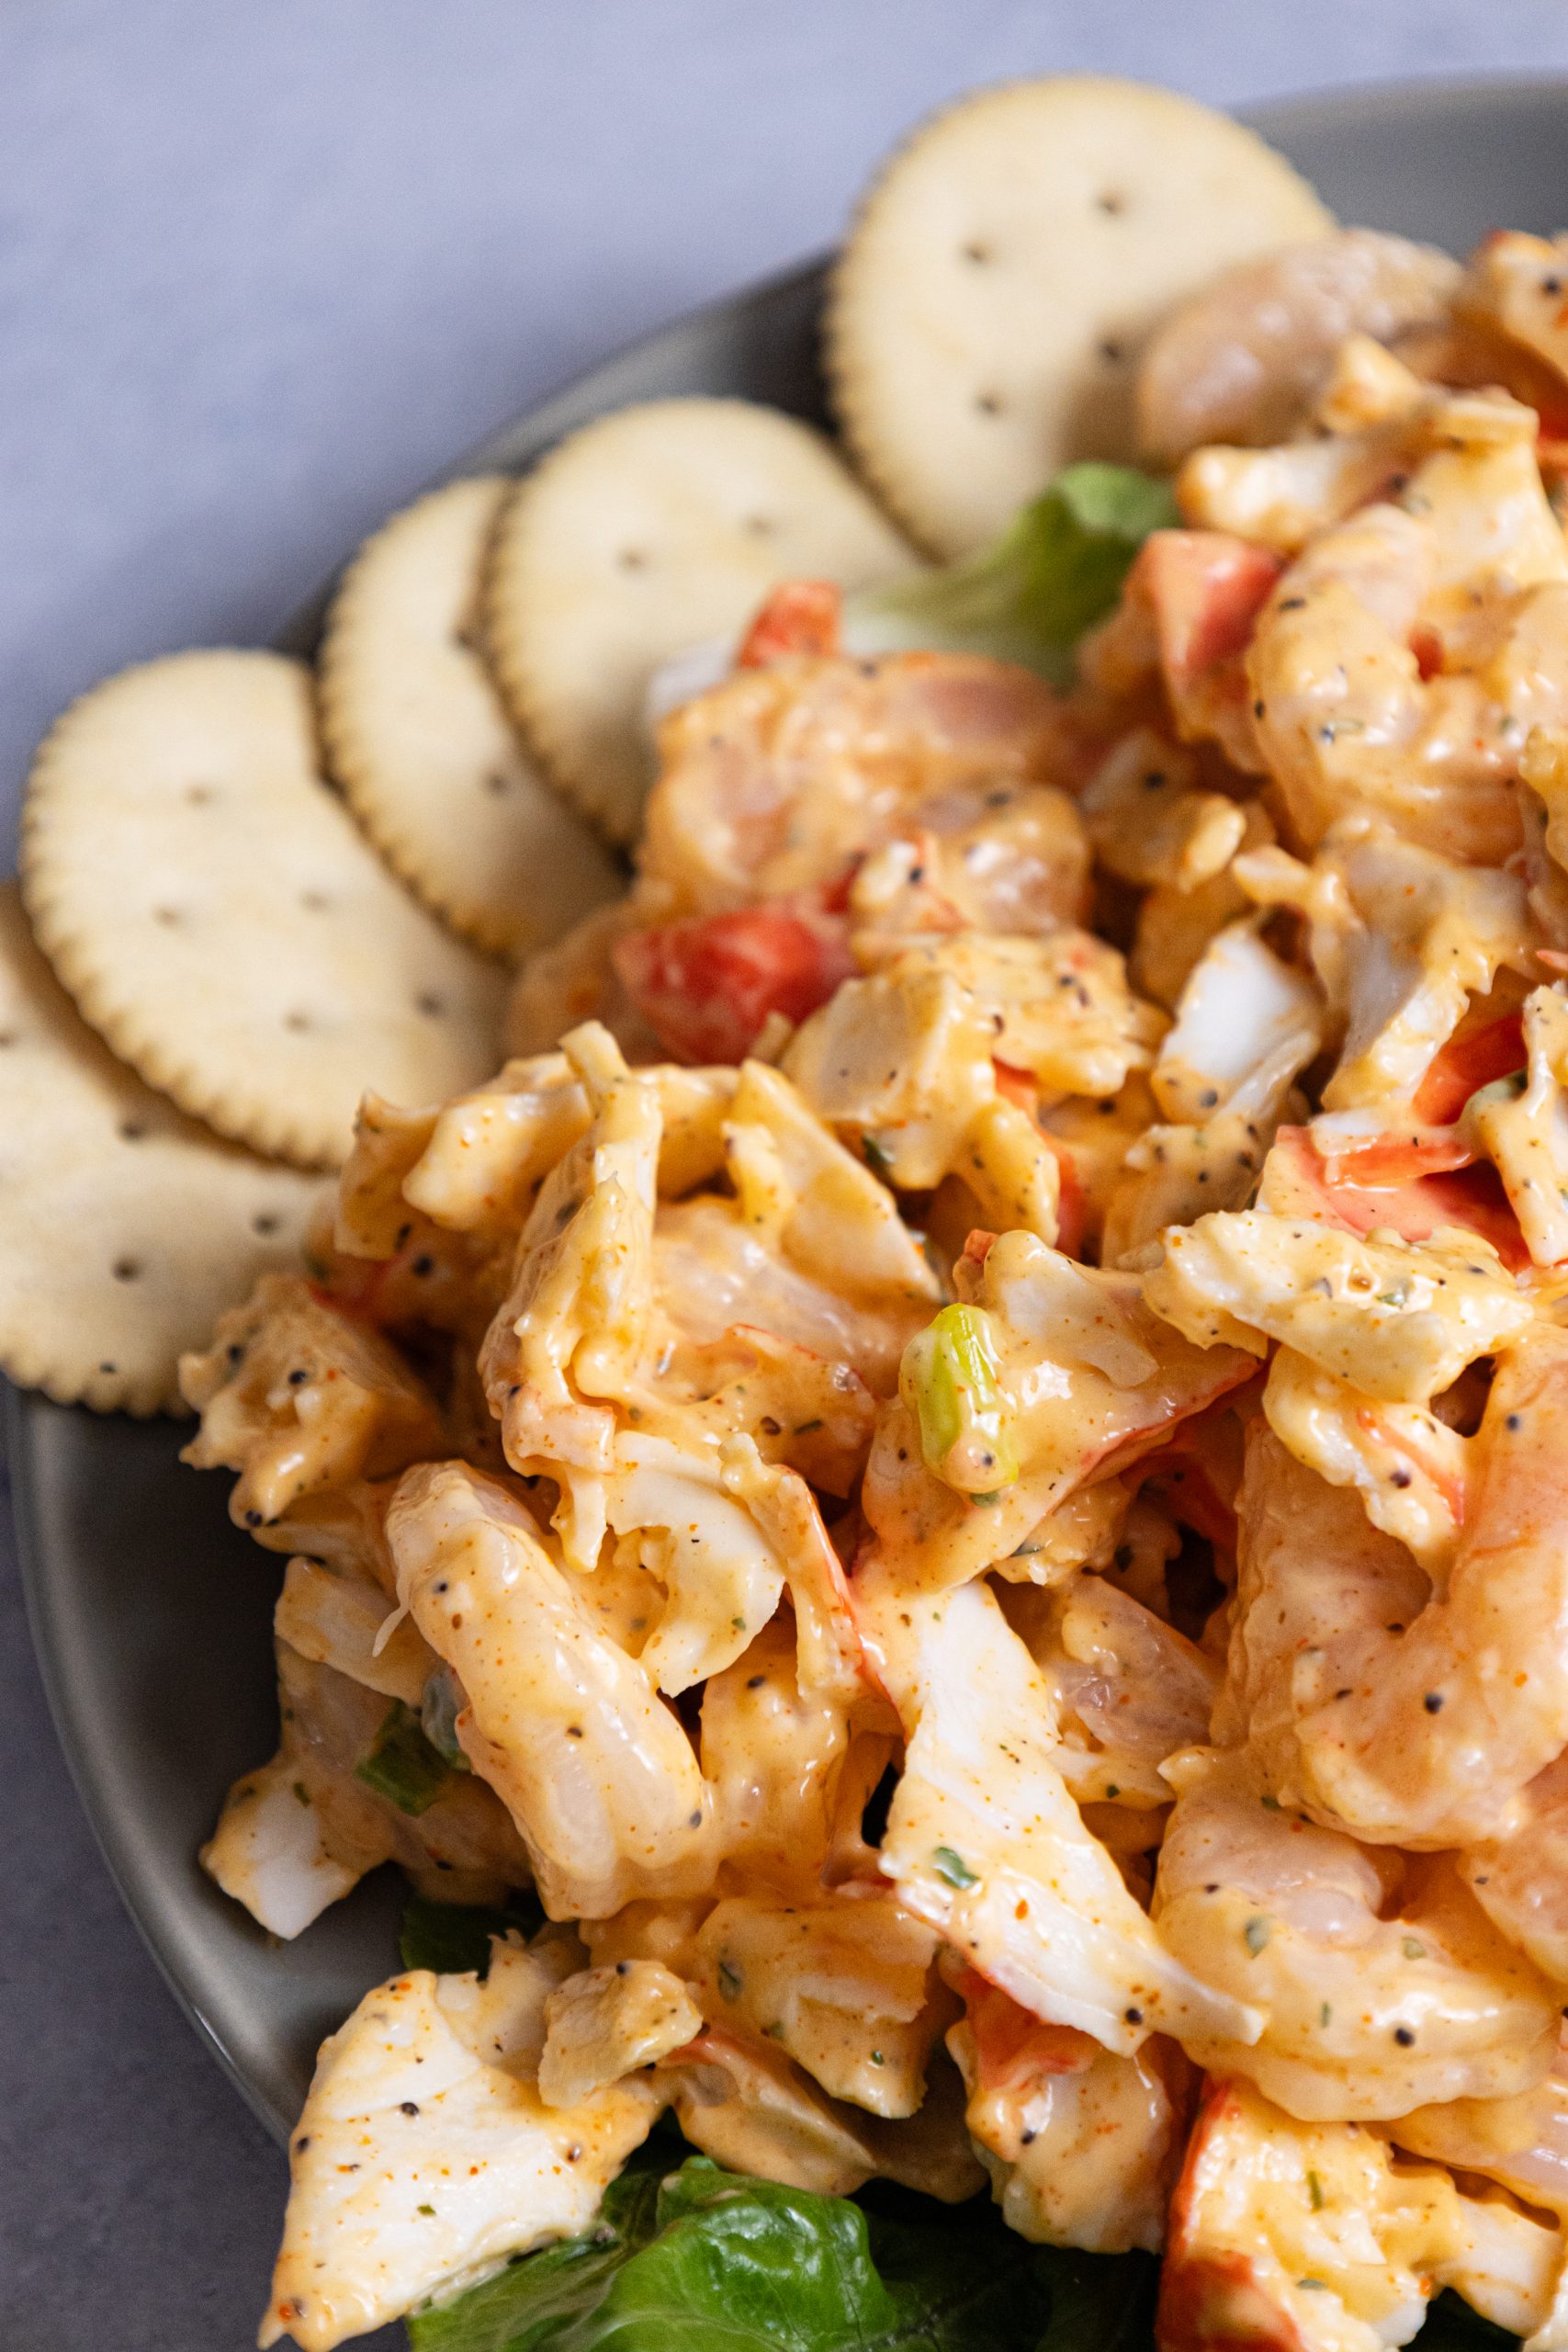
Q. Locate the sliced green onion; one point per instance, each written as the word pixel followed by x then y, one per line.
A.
pixel 403 1767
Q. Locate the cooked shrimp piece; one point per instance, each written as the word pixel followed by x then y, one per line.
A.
pixel 1521 1123
pixel 1045 1376
pixel 1310 2237
pixel 1521 1882
pixel 1521 2143
pixel 1128 1690
pixel 1410 1469
pixel 1469 567
pixel 425 2154
pixel 1082 2145
pixel 570 1730
pixel 778 780
pixel 1408 1713
pixel 1243 360
pixel 1381 1983
pixel 986 1845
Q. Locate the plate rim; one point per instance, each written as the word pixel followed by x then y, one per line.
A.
pixel 531 431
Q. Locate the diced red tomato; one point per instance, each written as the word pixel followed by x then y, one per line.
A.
pixel 801 616
pixel 1473 1059
pixel 1411 1196
pixel 707 987
pixel 1206 590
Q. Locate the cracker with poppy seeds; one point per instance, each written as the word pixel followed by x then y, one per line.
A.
pixel 124 1228
pixel 985 315
pixel 416 734
pixel 220 919
pixel 651 530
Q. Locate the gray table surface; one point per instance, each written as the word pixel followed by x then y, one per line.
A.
pixel 262 270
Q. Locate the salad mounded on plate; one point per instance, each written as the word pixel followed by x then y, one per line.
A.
pixel 936 1528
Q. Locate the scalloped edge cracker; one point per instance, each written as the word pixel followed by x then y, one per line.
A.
pixel 219 919
pixel 985 315
pixel 125 1229
pixel 645 532
pixel 416 732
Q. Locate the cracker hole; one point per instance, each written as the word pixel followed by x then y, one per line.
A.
pixel 200 795
pixel 108 1367
pixel 297 1022
pixel 428 1003
pixel 1111 352
pixel 632 559
pixel 131 1131
pixel 126 1270
pixel 977 253
pixel 760 527
pixel 315 902
pixel 7 1037
pixel 988 403
pixel 265 1222
pixel 1112 200
pixel 495 782
pixel 168 916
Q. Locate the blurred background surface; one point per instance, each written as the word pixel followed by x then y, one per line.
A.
pixel 262 271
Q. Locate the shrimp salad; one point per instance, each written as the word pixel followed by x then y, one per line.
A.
pixel 944 1510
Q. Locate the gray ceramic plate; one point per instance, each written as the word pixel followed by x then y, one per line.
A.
pixel 151 1612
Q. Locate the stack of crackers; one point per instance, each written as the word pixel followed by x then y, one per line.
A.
pixel 252 892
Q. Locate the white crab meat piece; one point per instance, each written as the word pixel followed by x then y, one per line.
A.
pixel 299 1399
pixel 1401 1322
pixel 985 1843
pixel 1401 939
pixel 607 2021
pixel 425 2154
pixel 846 1986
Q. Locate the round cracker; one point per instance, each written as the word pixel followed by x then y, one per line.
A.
pixel 416 734
pixel 650 530
pixel 125 1229
pixel 219 919
pixel 985 315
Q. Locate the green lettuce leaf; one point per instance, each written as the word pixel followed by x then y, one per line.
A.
pixel 1028 597
pixel 1451 2327
pixel 700 2260
pixel 1100 2302
pixel 454 1938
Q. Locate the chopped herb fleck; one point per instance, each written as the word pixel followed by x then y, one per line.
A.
pixel 1256 1933
pixel 953 1868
